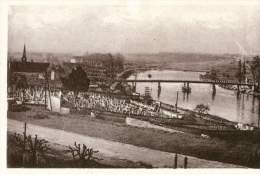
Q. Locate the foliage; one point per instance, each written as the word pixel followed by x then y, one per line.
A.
pixel 202 109
pixel 239 74
pixel 244 70
pixel 83 154
pixel 31 148
pixel 21 82
pixel 119 62
pixel 77 81
pixel 255 69
pixel 213 74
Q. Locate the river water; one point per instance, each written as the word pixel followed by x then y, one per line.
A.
pixel 225 103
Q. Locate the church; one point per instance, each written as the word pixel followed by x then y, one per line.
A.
pixel 24 76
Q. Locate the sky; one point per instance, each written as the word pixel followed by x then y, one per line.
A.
pixel 136 28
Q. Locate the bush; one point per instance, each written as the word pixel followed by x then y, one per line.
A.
pixel 27 151
pixel 82 156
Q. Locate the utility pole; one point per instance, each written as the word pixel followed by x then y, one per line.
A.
pixel 45 90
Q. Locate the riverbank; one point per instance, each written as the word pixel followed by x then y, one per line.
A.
pixel 204 125
pixel 202 122
pixel 114 129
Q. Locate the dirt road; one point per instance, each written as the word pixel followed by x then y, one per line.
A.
pixel 115 149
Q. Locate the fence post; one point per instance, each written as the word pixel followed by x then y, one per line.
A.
pixel 185 162
pixel 34 151
pixel 175 160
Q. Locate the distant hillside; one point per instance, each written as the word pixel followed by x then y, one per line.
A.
pixel 183 61
pixel 162 60
pixel 177 57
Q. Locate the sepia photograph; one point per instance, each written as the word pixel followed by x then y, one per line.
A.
pixel 133 84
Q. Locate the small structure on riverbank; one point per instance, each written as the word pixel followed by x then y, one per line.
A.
pixel 244 127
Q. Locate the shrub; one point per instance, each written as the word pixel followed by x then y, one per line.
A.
pixel 83 156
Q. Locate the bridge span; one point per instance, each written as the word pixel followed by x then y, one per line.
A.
pixel 222 82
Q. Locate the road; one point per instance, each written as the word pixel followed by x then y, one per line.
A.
pixel 113 149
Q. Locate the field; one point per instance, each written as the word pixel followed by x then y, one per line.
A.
pixel 114 128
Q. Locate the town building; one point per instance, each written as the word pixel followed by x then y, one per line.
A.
pixel 99 67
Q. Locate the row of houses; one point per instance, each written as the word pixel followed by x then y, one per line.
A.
pixel 99 67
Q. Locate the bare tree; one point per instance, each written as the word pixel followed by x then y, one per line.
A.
pixel 83 155
pixel 31 148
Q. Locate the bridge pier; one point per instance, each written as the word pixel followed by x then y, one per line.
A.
pixel 213 91
pixel 134 86
pixel 159 85
pixel 159 89
pixel 238 89
pixel 214 88
pixel 186 87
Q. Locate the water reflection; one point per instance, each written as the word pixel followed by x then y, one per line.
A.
pixel 253 105
pixel 213 93
pixel 159 91
pixel 185 96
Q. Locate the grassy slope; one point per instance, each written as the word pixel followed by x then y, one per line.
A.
pixel 212 149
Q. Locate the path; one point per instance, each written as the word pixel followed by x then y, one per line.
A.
pixel 114 149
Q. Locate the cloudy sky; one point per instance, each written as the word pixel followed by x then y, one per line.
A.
pixel 135 28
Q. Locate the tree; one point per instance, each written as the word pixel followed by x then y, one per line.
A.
pixel 255 70
pixel 202 109
pixel 213 74
pixel 119 62
pixel 239 72
pixel 77 81
pixel 244 71
pixel 31 148
pixel 83 155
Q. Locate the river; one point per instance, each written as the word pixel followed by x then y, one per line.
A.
pixel 226 104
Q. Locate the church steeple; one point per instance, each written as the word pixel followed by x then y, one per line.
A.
pixel 24 58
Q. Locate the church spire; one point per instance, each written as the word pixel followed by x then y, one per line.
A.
pixel 24 58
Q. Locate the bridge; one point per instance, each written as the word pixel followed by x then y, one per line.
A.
pixel 186 87
pixel 222 82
